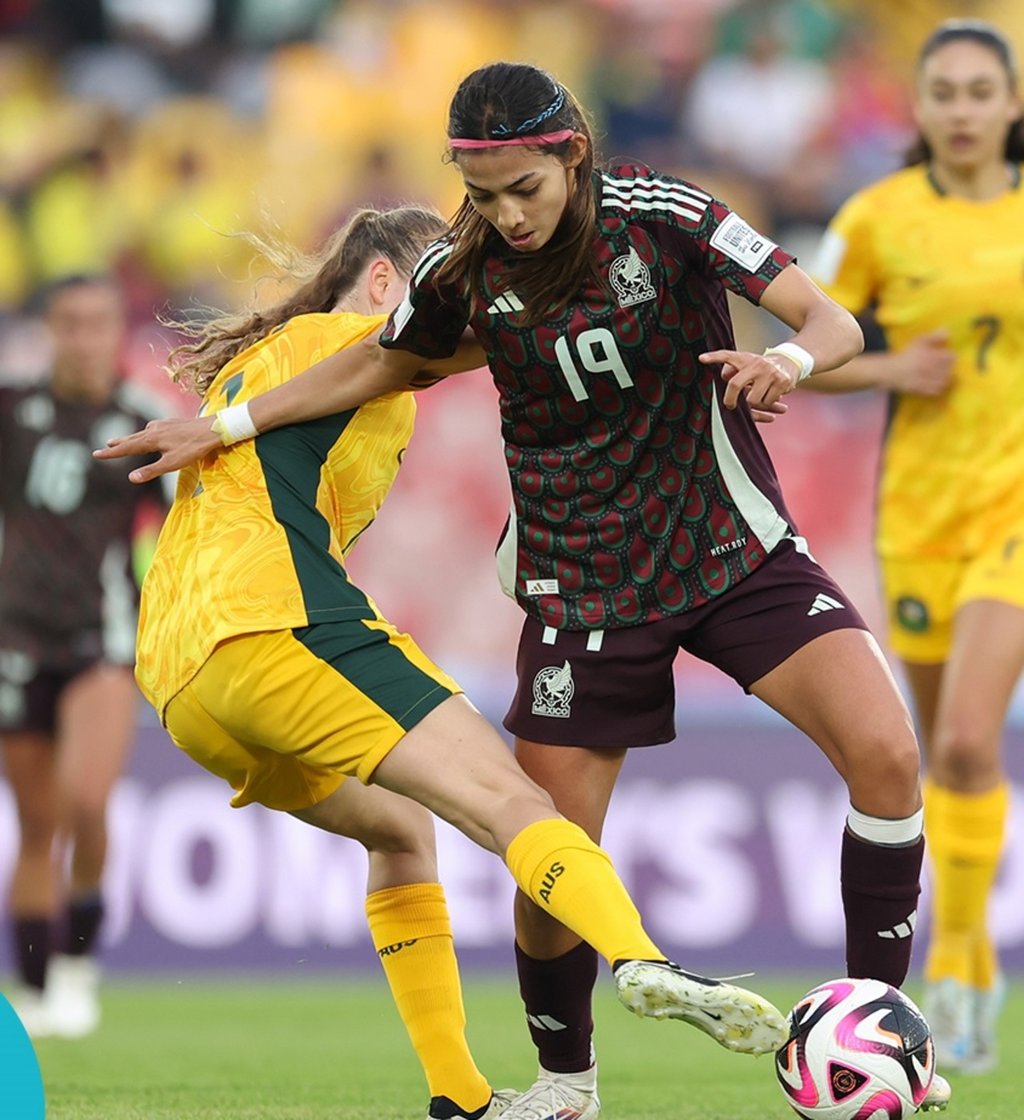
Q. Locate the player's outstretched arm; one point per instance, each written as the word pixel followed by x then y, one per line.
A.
pixel 336 384
pixel 826 336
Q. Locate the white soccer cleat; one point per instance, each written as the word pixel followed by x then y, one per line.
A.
pixel 441 1108
pixel 552 1097
pixel 72 995
pixel 937 1097
pixel 741 1021
pixel 948 1007
pixel 987 1004
pixel 30 1006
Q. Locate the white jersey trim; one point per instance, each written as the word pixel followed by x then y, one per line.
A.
pixel 507 554
pixel 625 187
pixel 655 195
pixel 432 255
pixel 757 510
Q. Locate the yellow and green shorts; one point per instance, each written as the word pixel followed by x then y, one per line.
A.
pixel 285 716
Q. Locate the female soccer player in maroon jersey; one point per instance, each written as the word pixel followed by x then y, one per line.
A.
pixel 67 642
pixel 647 515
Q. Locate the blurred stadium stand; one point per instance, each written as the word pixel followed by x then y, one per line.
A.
pixel 140 135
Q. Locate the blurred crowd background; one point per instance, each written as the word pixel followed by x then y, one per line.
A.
pixel 142 136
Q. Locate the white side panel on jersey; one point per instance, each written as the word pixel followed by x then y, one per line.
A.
pixel 506 555
pixel 830 254
pixel 119 618
pixel 762 517
pixel 433 255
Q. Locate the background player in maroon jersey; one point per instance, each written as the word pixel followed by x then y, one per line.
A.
pixel 646 512
pixel 67 633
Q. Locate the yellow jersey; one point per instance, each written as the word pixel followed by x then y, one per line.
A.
pixel 257 534
pixel 952 466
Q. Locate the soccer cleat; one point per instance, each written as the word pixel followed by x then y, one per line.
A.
pixel 741 1021
pixel 937 1097
pixel 442 1108
pixel 30 1006
pixel 986 1006
pixel 72 995
pixel 947 1006
pixel 552 1097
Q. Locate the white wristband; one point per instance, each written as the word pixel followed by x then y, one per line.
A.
pixel 234 423
pixel 798 354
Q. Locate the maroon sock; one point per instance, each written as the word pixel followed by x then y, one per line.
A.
pixel 84 917
pixel 556 994
pixel 880 888
pixel 32 938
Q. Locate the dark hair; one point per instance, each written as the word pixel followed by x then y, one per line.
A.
pixel 503 100
pixel 985 35
pixel 45 296
pixel 400 234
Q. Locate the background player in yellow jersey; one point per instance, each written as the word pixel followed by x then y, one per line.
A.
pixel 272 670
pixel 937 252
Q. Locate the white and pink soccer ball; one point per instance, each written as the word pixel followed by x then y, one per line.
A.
pixel 857 1050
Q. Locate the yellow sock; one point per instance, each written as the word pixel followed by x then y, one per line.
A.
pixel 964 834
pixel 567 874
pixel 412 934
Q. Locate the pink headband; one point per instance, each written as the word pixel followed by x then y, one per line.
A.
pixel 543 138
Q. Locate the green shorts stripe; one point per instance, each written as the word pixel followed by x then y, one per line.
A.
pixel 368 660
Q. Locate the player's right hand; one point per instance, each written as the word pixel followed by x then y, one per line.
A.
pixel 178 443
pixel 925 366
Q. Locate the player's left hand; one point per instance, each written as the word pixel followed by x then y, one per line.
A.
pixel 179 443
pixel 762 380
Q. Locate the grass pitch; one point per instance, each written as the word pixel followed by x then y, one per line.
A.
pixel 331 1048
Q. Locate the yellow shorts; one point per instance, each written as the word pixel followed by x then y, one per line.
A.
pixel 285 716
pixel 922 596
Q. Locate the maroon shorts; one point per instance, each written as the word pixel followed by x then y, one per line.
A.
pixel 30 693
pixel 615 688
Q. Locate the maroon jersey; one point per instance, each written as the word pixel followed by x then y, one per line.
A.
pixel 66 589
pixel 635 494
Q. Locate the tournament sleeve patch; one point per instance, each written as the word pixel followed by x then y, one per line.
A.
pixel 742 243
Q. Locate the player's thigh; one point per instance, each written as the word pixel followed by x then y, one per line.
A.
pixel 839 690
pixel 96 721
pixel 580 780
pixel 379 819
pixel 457 765
pixel 28 702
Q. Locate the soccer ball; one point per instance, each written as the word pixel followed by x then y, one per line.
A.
pixel 857 1050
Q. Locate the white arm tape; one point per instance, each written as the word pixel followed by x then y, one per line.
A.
pixel 234 423
pixel 796 353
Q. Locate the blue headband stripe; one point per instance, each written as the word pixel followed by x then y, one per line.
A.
pixel 533 122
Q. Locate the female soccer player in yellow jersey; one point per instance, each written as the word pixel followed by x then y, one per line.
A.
pixel 272 670
pixel 937 252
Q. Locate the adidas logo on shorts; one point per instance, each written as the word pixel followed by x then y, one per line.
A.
pixel 824 603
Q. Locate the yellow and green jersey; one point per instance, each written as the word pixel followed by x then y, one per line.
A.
pixel 257 534
pixel 952 465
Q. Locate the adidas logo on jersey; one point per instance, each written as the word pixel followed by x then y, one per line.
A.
pixel 506 302
pixel 824 603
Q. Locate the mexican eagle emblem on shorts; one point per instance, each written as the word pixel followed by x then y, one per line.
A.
pixel 552 691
